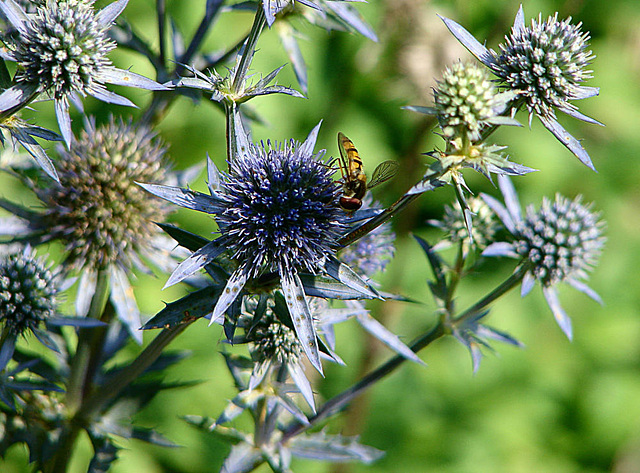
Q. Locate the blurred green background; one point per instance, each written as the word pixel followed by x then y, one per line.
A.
pixel 555 406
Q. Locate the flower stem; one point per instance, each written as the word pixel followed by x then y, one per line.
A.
pixel 212 10
pixel 337 403
pixel 246 56
pixel 78 376
pixel 130 373
pixel 499 291
pixel 231 114
pixel 428 183
pixel 162 19
pixel 79 381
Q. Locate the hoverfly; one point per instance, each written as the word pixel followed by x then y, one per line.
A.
pixel 354 179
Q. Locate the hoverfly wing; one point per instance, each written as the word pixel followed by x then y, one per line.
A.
pixel 385 171
pixel 344 161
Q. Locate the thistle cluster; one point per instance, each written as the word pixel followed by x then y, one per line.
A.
pixel 543 65
pixel 28 290
pixel 468 105
pixel 101 217
pixel 286 262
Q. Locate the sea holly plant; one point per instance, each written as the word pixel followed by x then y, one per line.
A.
pixel 279 263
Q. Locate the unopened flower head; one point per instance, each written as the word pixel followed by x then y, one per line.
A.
pixel 466 101
pixel 272 340
pixel 563 239
pixel 27 291
pixel 63 48
pixel 484 223
pixel 545 62
pixel 280 211
pixel 98 213
pixel 371 253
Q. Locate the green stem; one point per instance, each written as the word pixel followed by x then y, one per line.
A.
pixel 265 420
pixel 231 115
pixel 162 19
pixel 499 291
pixel 130 373
pixel 337 403
pixel 245 57
pixel 78 376
pixel 92 405
pixel 430 182
pixel 212 10
pixel 456 276
pixel 260 437
pixel 248 50
pixel 98 336
pixel 79 380
pixel 59 462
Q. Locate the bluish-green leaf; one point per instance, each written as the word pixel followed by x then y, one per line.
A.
pixel 335 448
pixel 190 307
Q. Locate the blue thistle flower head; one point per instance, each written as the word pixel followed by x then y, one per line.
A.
pixel 28 290
pixel 563 239
pixel 279 209
pixel 560 242
pixel 546 62
pixel 63 48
